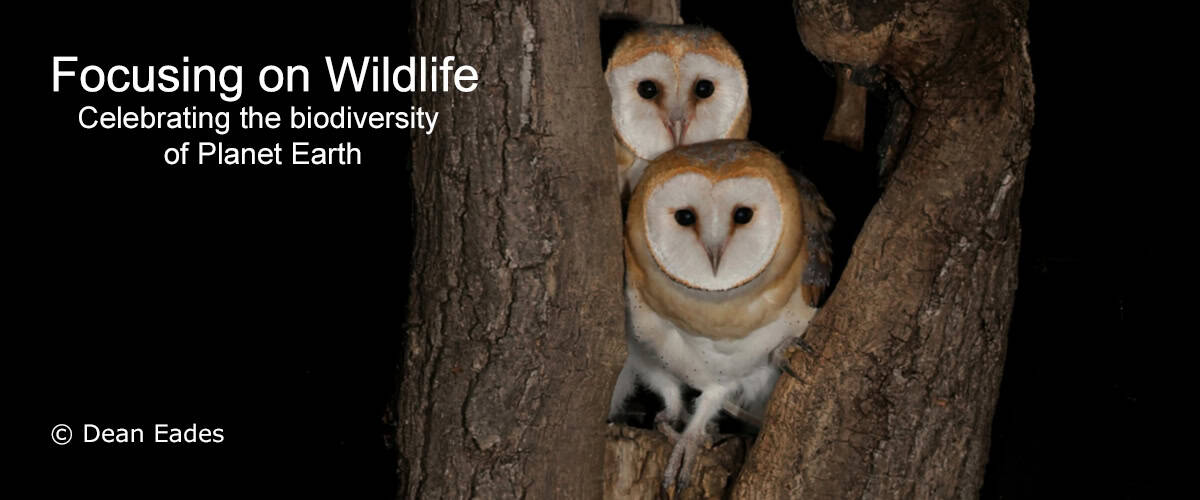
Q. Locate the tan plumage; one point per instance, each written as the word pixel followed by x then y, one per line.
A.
pixel 675 58
pixel 734 316
pixel 727 255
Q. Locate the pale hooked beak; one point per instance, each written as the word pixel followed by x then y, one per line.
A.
pixel 678 124
pixel 714 255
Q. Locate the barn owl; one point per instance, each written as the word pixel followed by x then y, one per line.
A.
pixel 727 254
pixel 673 85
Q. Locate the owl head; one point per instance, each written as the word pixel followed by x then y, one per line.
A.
pixel 726 217
pixel 675 85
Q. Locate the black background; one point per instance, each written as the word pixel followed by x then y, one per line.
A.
pixel 270 301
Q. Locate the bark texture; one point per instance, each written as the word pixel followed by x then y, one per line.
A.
pixel 648 11
pixel 634 461
pixel 898 400
pixel 849 118
pixel 514 334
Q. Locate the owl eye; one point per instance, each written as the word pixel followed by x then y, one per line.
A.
pixel 704 88
pixel 743 215
pixel 685 217
pixel 647 89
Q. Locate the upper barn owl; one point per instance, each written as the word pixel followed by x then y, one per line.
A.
pixel 673 85
pixel 727 254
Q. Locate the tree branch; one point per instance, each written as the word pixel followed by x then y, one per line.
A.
pixel 514 337
pixel 898 401
pixel 647 11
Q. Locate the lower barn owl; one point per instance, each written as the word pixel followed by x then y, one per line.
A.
pixel 727 254
pixel 673 85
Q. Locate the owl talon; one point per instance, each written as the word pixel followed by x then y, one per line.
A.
pixel 779 356
pixel 787 368
pixel 666 425
pixel 679 466
pixel 804 346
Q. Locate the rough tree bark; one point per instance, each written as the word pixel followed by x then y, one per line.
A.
pixel 849 119
pixel 898 401
pixel 647 11
pixel 515 318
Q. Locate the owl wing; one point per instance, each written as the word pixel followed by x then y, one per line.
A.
pixel 818 221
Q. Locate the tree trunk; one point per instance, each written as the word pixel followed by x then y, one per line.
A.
pixel 515 318
pixel 898 400
pixel 646 11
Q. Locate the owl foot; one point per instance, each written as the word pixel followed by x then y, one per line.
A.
pixel 683 459
pixel 779 356
pixel 666 425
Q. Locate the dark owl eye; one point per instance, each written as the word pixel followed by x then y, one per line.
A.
pixel 743 215
pixel 685 217
pixel 704 88
pixel 647 89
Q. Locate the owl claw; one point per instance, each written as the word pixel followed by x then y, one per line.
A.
pixel 799 341
pixel 666 425
pixel 779 356
pixel 679 467
pixel 787 368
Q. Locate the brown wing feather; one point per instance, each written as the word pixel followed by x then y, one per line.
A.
pixel 818 221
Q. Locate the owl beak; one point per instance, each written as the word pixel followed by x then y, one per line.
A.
pixel 678 125
pixel 714 256
pixel 678 129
